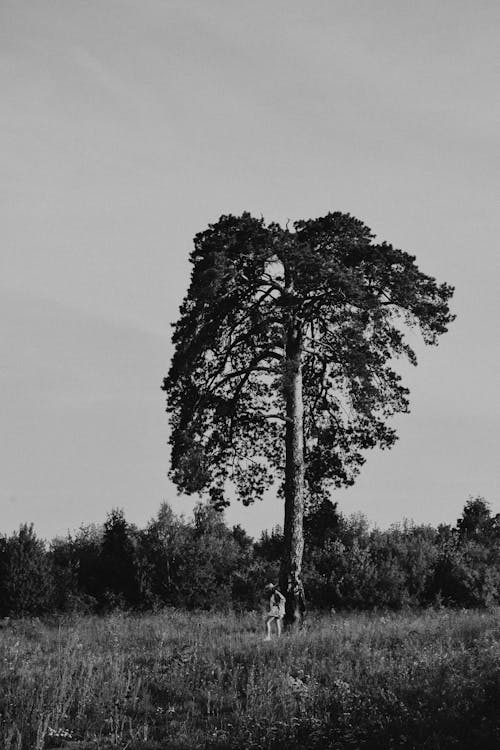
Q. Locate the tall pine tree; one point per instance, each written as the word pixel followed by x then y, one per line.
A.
pixel 284 362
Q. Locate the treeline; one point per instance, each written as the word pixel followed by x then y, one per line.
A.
pixel 203 564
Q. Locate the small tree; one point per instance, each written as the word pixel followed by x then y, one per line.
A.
pixel 86 549
pixel 283 362
pixel 477 522
pixel 118 569
pixel 26 581
pixel 165 546
pixel 321 523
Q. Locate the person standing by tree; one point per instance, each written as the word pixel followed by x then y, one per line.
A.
pixel 276 610
pixel 284 362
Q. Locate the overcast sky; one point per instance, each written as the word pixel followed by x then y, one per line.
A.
pixel 127 126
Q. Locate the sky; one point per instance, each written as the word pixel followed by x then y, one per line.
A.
pixel 128 126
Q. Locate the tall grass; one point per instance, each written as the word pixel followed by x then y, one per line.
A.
pixel 179 680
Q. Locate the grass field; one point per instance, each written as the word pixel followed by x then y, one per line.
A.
pixel 179 680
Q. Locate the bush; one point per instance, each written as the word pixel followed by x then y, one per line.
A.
pixel 26 583
pixel 202 564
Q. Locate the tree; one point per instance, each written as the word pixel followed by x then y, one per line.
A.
pixel 284 361
pixel 477 522
pixel 166 546
pixel 26 582
pixel 321 522
pixel 119 574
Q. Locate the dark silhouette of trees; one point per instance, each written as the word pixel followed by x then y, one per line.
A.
pixel 321 523
pixel 201 563
pixel 477 522
pixel 163 549
pixel 77 569
pixel 26 583
pixel 467 567
pixel 117 562
pixel 284 362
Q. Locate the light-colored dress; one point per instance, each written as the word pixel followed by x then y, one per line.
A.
pixel 277 605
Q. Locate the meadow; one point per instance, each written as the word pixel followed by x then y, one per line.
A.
pixel 178 680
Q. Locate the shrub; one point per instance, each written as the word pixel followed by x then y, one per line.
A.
pixel 26 582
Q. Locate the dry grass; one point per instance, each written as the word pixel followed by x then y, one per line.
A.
pixel 179 680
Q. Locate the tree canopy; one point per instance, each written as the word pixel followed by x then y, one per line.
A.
pixel 343 299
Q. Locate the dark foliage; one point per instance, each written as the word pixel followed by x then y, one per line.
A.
pixel 345 301
pixel 118 563
pixel 284 364
pixel 26 582
pixel 203 564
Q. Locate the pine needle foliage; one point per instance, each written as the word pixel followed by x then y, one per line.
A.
pixel 346 300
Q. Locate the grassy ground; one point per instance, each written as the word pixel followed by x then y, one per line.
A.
pixel 177 680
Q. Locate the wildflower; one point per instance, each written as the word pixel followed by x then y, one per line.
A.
pixel 59 734
pixel 299 688
pixel 342 686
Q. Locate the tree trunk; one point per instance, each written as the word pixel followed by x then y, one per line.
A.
pixel 291 565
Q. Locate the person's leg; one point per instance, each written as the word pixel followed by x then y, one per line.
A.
pixel 268 628
pixel 278 625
